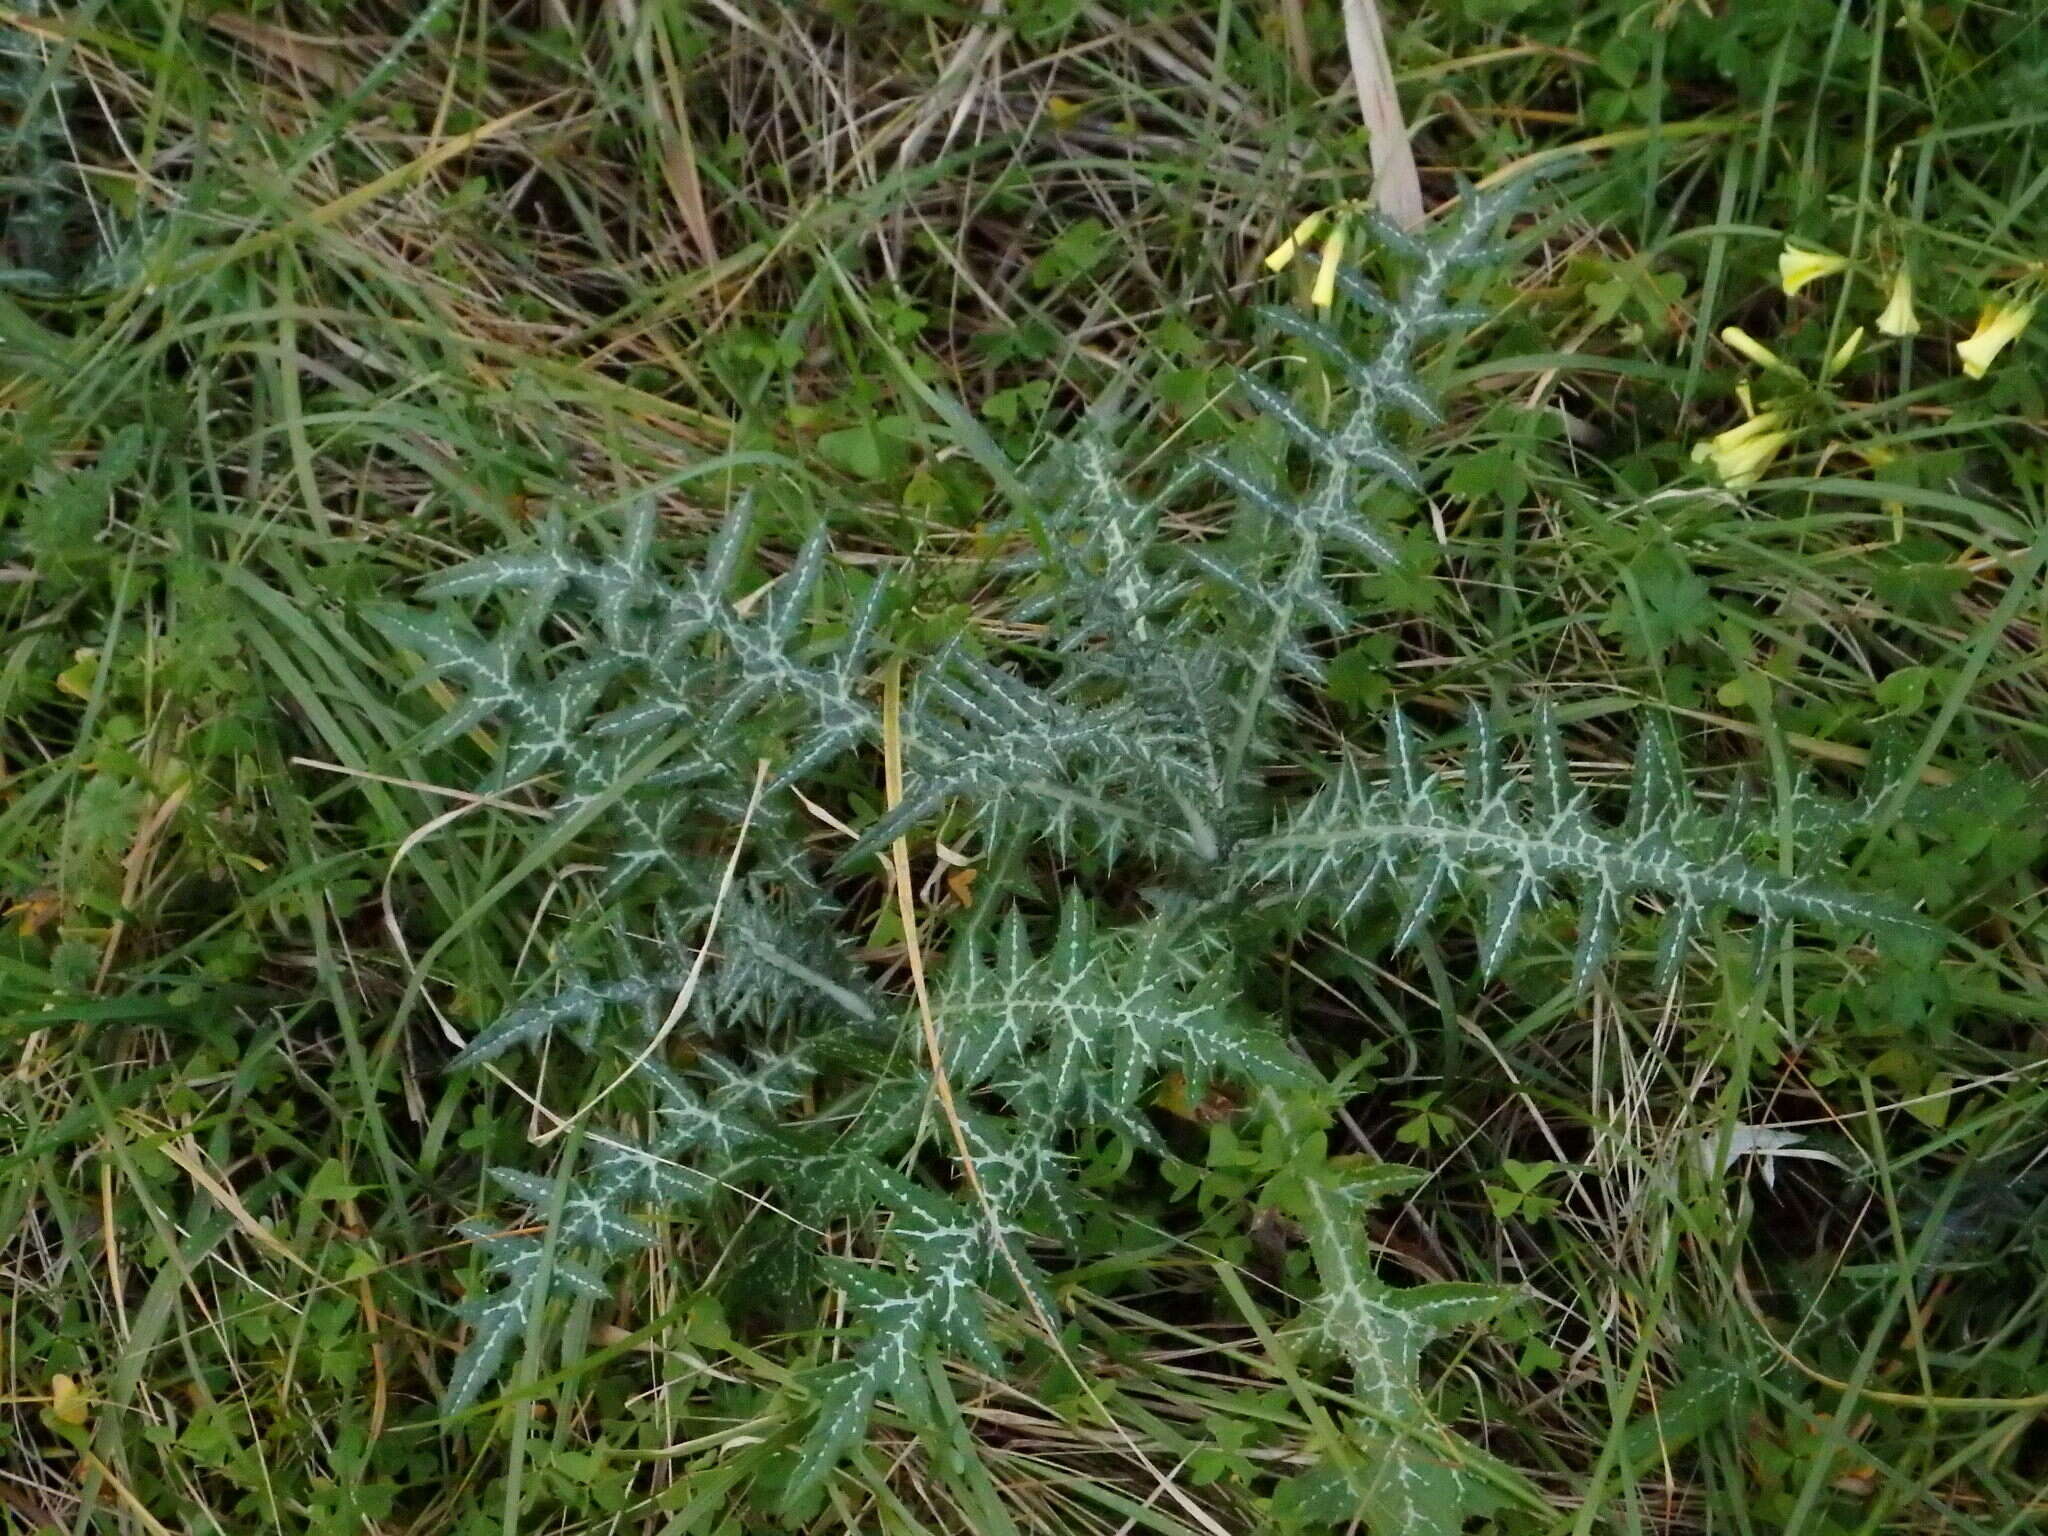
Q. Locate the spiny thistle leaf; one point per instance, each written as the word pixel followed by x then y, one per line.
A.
pixel 1075 1037
pixel 1412 1477
pixel 588 1219
pixel 579 1003
pixel 1327 516
pixel 888 1363
pixel 518 1256
pixel 948 1253
pixel 1516 839
pixel 1006 751
pixel 498 1319
pixel 690 667
pixel 1097 569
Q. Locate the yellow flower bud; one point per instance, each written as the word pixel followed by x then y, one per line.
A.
pixel 1755 427
pixel 1797 268
pixel 1997 328
pixel 1741 454
pixel 1898 318
pixel 1326 275
pixel 1290 248
pixel 69 1403
pixel 1741 341
pixel 1744 465
pixel 1841 357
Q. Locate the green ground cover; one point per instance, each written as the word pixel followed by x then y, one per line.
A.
pixel 302 305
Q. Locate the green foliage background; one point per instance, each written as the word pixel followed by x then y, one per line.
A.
pixel 303 305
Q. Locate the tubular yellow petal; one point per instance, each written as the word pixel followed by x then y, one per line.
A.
pixel 1744 465
pixel 1843 355
pixel 1898 318
pixel 1736 439
pixel 1757 426
pixel 1326 275
pixel 1290 248
pixel 1741 341
pixel 1797 268
pixel 1997 328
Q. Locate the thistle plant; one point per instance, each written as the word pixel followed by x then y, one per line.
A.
pixel 1144 819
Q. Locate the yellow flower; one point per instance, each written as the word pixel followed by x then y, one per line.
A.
pixel 1997 328
pixel 1741 341
pixel 1741 467
pixel 1797 268
pixel 1841 357
pixel 1290 248
pixel 1326 275
pixel 1735 437
pixel 1337 220
pixel 1898 318
pixel 1741 454
pixel 69 1403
